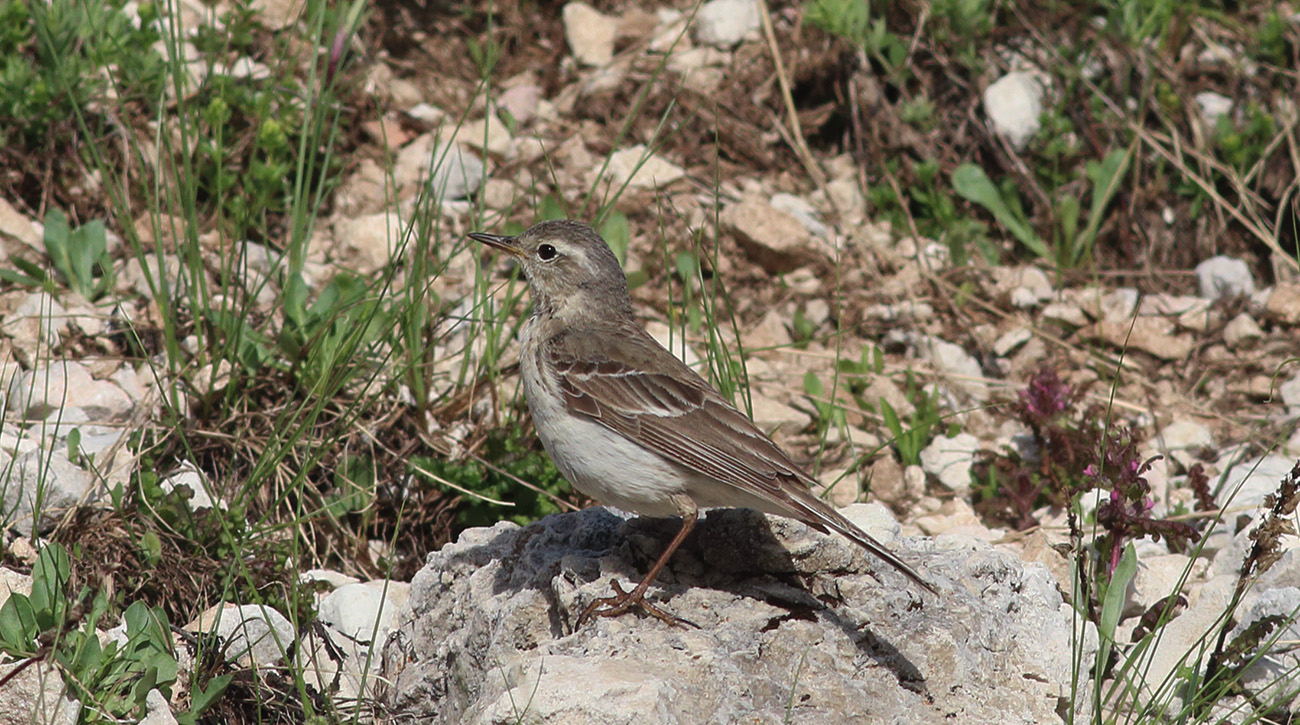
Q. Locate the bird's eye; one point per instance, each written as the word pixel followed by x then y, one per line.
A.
pixel 546 252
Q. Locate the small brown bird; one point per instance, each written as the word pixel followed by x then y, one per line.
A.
pixel 629 424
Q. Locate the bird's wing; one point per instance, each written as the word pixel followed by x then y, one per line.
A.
pixel 640 390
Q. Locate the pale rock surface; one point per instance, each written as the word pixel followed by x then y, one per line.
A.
pixel 1213 105
pixel 487 635
pixel 591 34
pixel 36 324
pixel 64 383
pixel 1241 331
pixel 772 415
pixel 1223 276
pixel 41 484
pixel 1290 393
pixel 950 460
pixel 190 477
pixel 961 368
pixel 36 695
pixel 252 634
pixel 774 239
pixel 159 711
pixel 639 169
pixel 724 23
pixel 358 611
pixel 1014 103
pixel 1277 673
pixel 1283 304
pixel 1156 578
pixel 450 170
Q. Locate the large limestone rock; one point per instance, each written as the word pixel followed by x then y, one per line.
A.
pixel 794 626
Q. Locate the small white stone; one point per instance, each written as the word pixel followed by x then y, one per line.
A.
pixel 1241 331
pixel 1223 276
pixel 1213 105
pixel 590 33
pixel 950 460
pixel 724 23
pixel 1014 103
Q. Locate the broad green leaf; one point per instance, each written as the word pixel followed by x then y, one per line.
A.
pixel 974 185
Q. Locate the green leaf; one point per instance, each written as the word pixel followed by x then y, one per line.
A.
pixel 974 186
pixel 49 577
pixel 551 209
pixel 18 628
pixel 1112 602
pixel 618 233
pixel 201 698
pixel 1106 178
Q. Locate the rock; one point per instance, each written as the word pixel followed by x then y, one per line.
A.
pixel 251 634
pixel 357 611
pixel 36 694
pixel 336 665
pixel 773 239
pixel 1224 277
pixel 961 369
pixel 724 23
pixel 801 209
pixel 487 135
pixel 189 476
pixel 640 169
pixel 1274 678
pixel 1007 343
pixel 950 460
pixel 1031 287
pixel 487 629
pixel 66 384
pixel 1213 106
pixel 591 34
pixel 456 172
pixel 1290 392
pixel 330 577
pixel 1284 304
pixel 1152 335
pixel 1183 435
pixel 1066 314
pixel 159 710
pixel 278 14
pixel 14 225
pixel 40 487
pixel 36 324
pixel 521 102
pixel 1014 103
pixel 1241 331
pixel 1156 578
pixel 768 337
pixel 374 238
pixel 12 581
pixel 772 415
pixel 1184 634
pixel 885 481
pixel 1256 477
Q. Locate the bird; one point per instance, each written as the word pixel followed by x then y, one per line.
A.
pixel 629 424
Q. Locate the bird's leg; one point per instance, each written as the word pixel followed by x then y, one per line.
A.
pixel 623 601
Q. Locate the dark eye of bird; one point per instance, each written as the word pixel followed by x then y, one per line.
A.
pixel 546 252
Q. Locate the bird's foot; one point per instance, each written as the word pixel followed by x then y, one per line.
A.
pixel 623 601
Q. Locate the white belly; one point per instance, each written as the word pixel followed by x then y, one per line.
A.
pixel 599 462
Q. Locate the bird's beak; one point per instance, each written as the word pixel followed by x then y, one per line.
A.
pixel 505 244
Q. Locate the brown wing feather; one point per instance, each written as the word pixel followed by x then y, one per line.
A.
pixel 640 390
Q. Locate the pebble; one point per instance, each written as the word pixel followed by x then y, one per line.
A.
pixel 1223 276
pixel 1014 104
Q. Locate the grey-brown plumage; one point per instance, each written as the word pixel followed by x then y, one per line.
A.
pixel 628 423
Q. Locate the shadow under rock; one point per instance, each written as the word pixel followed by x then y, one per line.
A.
pixel 731 550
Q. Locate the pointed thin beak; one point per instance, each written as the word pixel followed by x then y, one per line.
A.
pixel 497 241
